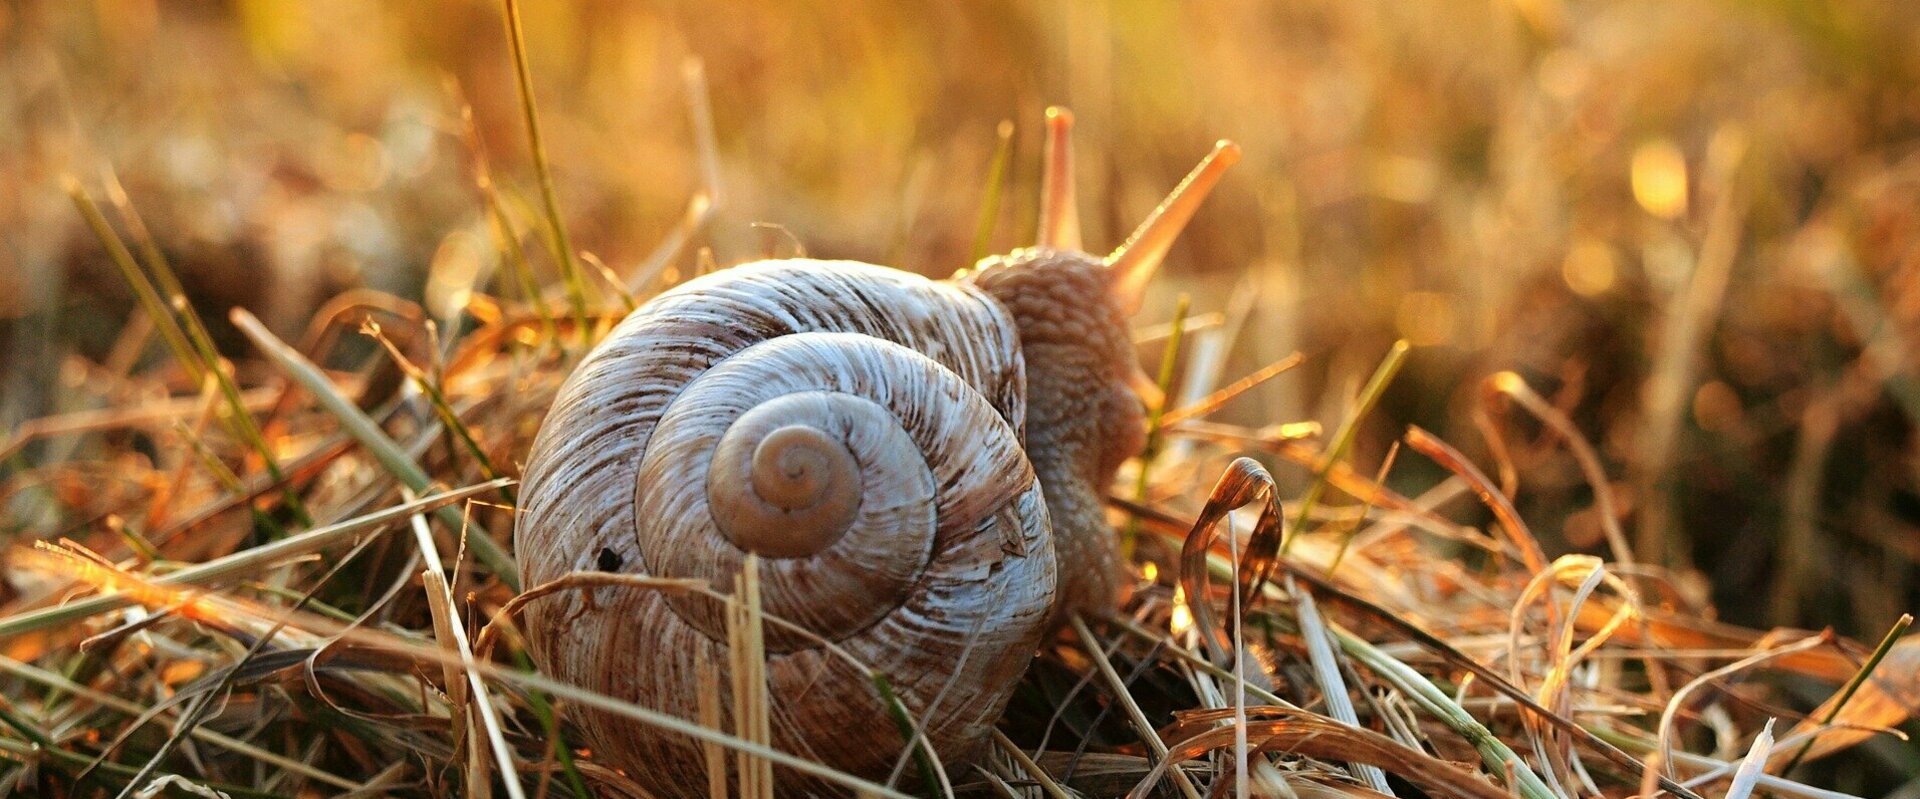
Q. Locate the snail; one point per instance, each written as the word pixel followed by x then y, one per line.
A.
pixel 919 465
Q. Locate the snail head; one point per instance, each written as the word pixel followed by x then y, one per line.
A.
pixel 1071 306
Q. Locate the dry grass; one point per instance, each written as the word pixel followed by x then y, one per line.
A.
pixel 1656 262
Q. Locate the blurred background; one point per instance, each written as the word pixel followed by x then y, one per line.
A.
pixel 1691 224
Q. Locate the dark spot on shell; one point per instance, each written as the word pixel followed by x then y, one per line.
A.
pixel 608 560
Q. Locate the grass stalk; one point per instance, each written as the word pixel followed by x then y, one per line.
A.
pixel 995 191
pixel 1156 413
pixel 60 682
pixel 1343 439
pixel 1853 684
pixel 240 420
pixel 442 409
pixel 143 290
pixel 558 239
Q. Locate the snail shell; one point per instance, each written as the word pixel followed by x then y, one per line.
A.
pixel 867 433
pixel 827 416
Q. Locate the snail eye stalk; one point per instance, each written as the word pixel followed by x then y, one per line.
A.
pixel 1134 263
pixel 1059 210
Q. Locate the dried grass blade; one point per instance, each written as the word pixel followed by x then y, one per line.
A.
pixel 1663 732
pixel 1218 399
pixel 1039 775
pixel 715 757
pixel 746 648
pixel 1175 528
pixel 1301 732
pixel 1141 726
pixel 243 562
pixel 198 709
pixel 429 385
pixel 61 682
pixel 1517 531
pixel 1498 758
pixel 1333 687
pixel 1512 385
pixel 1244 482
pixel 1753 765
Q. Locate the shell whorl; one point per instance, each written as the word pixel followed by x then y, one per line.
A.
pixel 733 414
pixel 928 462
pixel 783 488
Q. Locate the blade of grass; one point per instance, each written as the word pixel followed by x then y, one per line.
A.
pixel 446 617
pixel 1326 671
pixel 1510 523
pixel 1343 439
pixel 489 726
pixel 441 407
pixel 1778 785
pixel 1853 684
pixel 543 709
pixel 558 240
pixel 897 711
pixel 26 752
pixel 509 242
pixel 1366 507
pixel 221 474
pixel 1169 356
pixel 1177 530
pixel 199 709
pixel 709 717
pixel 373 638
pixel 746 651
pixel 1213 402
pixel 989 218
pixel 179 324
pixel 1501 761
pixel 143 290
pixel 1039 775
pixel 240 421
pixel 369 434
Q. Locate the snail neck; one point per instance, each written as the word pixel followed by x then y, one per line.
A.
pixel 1068 443
pixel 1083 420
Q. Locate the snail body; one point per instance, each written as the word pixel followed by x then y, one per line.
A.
pixel 919 465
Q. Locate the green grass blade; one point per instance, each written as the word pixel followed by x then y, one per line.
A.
pixel 996 189
pixel 557 237
pixel 1343 440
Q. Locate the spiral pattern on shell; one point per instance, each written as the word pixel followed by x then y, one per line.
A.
pixel 860 429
